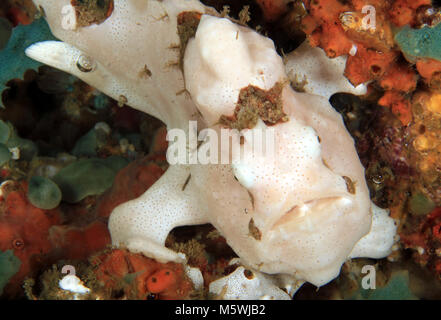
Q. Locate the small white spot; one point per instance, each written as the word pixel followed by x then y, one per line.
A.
pixel 69 21
pixel 73 284
pixel 15 151
pixel 353 50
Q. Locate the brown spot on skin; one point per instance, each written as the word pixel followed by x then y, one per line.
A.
pixel 331 53
pixel 185 91
pixel 42 12
pixel 122 100
pixel 186 182
pixel 248 274
pixel 145 73
pixel 251 198
pixel 90 12
pixel 326 164
pixel 188 23
pixel 297 84
pixel 255 103
pixel 174 47
pixel 254 231
pixel 350 185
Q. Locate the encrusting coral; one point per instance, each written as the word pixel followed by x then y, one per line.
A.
pixel 33 238
pixel 131 182
pixel 152 279
pixel 38 237
pixel 80 228
pixel 298 216
pixel 376 36
pixel 24 229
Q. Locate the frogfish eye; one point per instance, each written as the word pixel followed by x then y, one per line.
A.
pixel 86 64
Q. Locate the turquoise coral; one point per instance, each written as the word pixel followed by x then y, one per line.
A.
pixel 14 62
pixel 5 32
pixel 397 288
pixel 420 43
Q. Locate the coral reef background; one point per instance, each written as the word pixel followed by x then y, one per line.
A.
pixel 69 155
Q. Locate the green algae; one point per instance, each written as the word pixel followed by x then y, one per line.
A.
pixel 10 139
pixel 28 149
pixel 89 144
pixel 9 266
pixel 420 204
pixel 5 132
pixel 43 193
pixel 116 163
pixel 87 177
pixel 5 154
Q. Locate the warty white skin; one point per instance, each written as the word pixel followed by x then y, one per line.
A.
pixel 237 286
pixel 323 76
pixel 309 221
pixel 139 33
